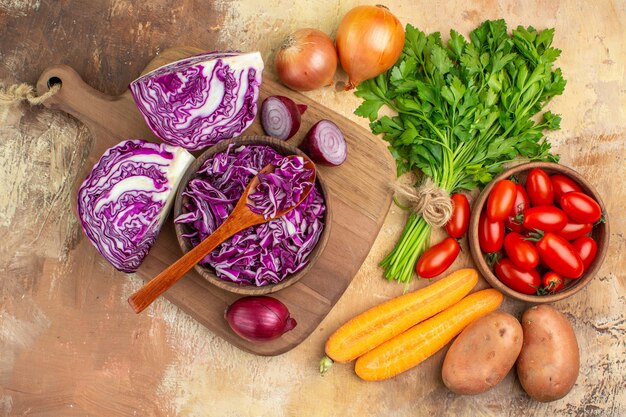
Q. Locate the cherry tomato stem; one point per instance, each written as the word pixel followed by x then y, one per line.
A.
pixel 521 203
pixel 551 283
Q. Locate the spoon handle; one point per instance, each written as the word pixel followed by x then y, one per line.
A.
pixel 162 282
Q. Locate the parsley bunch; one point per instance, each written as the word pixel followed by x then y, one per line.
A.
pixel 463 110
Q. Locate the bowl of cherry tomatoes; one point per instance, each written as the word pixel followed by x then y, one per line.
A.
pixel 539 232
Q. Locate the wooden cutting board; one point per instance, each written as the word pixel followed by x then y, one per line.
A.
pixel 358 188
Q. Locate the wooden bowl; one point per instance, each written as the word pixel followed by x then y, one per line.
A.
pixel 600 234
pixel 209 273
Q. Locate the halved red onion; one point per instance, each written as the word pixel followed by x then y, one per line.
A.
pixel 280 116
pixel 325 144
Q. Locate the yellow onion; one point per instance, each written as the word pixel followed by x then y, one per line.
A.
pixel 369 41
pixel 306 60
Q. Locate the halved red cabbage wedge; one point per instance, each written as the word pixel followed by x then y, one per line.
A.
pixel 124 201
pixel 198 101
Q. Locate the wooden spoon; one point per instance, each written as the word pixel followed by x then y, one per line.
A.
pixel 239 219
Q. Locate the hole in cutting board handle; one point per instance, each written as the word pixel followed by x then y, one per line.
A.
pixel 54 81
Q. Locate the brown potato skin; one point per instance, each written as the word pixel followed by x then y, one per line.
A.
pixel 483 354
pixel 548 364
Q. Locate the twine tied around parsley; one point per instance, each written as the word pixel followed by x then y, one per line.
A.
pixel 428 200
pixel 25 92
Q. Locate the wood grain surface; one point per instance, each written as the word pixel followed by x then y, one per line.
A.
pixel 70 346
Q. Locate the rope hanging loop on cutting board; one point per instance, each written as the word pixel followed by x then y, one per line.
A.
pixel 25 92
pixel 429 201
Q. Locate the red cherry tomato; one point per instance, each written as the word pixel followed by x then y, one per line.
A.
pixel 501 199
pixel 544 218
pixel 586 248
pixel 526 282
pixel 580 207
pixel 573 231
pixel 539 188
pixel 459 222
pixel 560 256
pixel 562 184
pixel 438 258
pixel 552 282
pixel 520 251
pixel 521 203
pixel 490 234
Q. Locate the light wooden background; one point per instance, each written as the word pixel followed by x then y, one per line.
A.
pixel 69 344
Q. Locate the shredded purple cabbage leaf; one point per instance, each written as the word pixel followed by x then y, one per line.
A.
pixel 279 190
pixel 262 254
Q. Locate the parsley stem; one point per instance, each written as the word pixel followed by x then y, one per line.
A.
pixel 400 261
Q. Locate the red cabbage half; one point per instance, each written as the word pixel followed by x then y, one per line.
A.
pixel 262 254
pixel 201 100
pixel 125 199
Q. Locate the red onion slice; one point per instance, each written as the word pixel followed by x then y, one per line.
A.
pixel 325 144
pixel 280 116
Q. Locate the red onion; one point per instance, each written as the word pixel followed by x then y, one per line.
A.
pixel 259 318
pixel 325 144
pixel 280 116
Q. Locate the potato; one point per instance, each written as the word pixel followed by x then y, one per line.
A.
pixel 483 354
pixel 548 364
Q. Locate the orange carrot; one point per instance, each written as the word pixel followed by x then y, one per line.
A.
pixel 415 345
pixel 380 323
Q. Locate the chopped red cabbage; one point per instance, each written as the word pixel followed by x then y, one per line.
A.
pixel 124 201
pixel 262 254
pixel 279 190
pixel 201 100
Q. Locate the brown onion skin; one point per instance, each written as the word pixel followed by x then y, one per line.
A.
pixel 369 41
pixel 306 60
pixel 259 318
